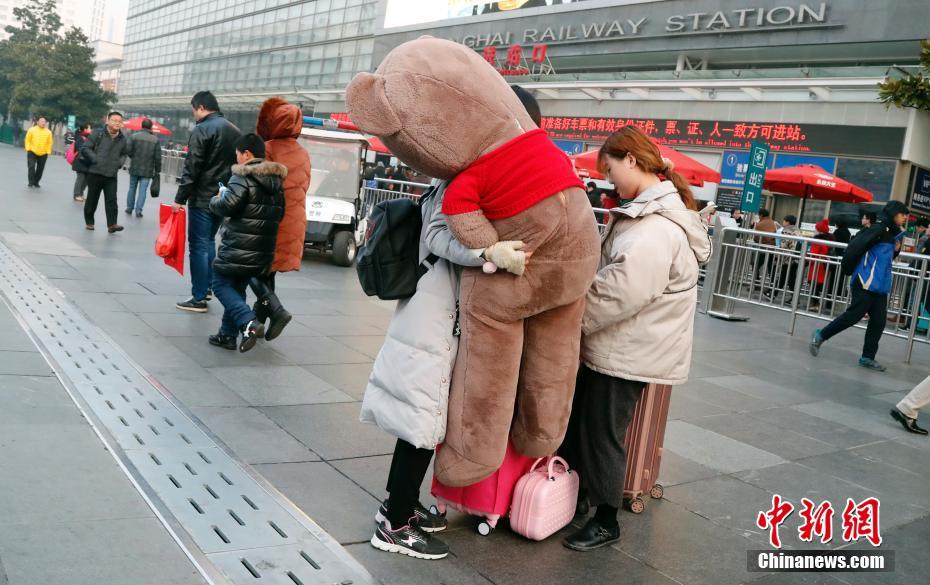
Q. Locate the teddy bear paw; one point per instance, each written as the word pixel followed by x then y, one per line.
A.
pixel 455 470
pixel 535 445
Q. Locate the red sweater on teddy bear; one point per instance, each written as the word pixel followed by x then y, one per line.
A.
pixel 512 178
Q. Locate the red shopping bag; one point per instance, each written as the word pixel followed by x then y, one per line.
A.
pixel 172 236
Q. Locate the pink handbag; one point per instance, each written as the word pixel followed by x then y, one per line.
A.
pixel 544 500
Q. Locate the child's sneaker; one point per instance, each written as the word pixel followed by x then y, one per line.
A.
pixel 224 341
pixel 422 518
pixel 250 335
pixel 408 540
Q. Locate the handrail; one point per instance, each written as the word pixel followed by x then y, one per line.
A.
pixel 791 279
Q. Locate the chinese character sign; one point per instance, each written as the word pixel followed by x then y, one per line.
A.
pixel 703 133
pixel 773 518
pixel 755 175
pixel 860 521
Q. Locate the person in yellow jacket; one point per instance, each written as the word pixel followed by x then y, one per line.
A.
pixel 38 147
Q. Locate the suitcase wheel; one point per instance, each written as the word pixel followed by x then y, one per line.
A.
pixel 485 528
pixel 637 505
pixel 657 492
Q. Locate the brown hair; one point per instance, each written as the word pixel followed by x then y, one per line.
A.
pixel 632 140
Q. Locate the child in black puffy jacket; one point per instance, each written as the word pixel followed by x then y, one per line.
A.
pixel 253 205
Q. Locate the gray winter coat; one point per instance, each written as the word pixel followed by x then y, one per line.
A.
pixel 104 154
pixel 408 390
pixel 146 154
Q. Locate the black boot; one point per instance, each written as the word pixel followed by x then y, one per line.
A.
pixel 269 306
pixel 279 318
pixel 260 308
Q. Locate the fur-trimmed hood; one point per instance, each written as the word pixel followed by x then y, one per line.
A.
pixel 278 119
pixel 259 167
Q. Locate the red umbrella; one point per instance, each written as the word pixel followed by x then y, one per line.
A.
pixel 375 144
pixel 136 124
pixel 694 172
pixel 813 182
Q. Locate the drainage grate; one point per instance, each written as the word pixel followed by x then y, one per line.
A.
pixel 244 532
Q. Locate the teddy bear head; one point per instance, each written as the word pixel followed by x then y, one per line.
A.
pixel 437 105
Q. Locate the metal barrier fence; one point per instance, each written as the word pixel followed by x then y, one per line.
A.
pixel 371 196
pixel 802 276
pixel 172 162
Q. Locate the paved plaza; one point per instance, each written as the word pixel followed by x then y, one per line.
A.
pixel 759 417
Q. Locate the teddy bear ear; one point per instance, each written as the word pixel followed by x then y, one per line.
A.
pixel 368 107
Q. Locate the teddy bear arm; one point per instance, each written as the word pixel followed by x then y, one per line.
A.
pixel 473 229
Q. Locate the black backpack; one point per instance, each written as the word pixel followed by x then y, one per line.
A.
pixel 389 261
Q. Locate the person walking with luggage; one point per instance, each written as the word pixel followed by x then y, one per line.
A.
pixel 146 163
pixel 38 146
pixel 79 167
pixel 253 205
pixel 279 124
pixel 105 151
pixel 211 152
pixel 410 402
pixel 638 323
pixel 869 259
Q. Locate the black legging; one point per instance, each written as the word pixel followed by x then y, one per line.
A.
pixel 408 469
pixel 863 301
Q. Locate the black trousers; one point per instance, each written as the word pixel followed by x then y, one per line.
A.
pixel 601 412
pixel 863 301
pixel 96 184
pixel 408 469
pixel 36 166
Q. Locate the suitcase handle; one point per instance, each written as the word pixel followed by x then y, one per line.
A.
pixel 552 461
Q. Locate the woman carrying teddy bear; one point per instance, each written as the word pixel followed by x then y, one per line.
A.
pixel 638 322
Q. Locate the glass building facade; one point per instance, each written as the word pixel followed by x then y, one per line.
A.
pixel 242 50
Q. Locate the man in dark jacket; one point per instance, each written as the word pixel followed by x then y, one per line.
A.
pixel 253 205
pixel 841 233
pixel 594 194
pixel 869 259
pixel 146 163
pixel 211 152
pixel 105 152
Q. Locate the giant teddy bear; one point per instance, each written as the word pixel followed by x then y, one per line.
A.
pixel 447 113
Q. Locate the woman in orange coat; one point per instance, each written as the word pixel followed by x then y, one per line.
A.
pixel 279 124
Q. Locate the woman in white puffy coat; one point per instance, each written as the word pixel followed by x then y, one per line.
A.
pixel 408 390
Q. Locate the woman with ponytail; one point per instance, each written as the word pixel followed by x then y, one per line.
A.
pixel 639 319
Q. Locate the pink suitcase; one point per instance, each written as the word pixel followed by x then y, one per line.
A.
pixel 544 500
pixel 643 441
pixel 489 498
